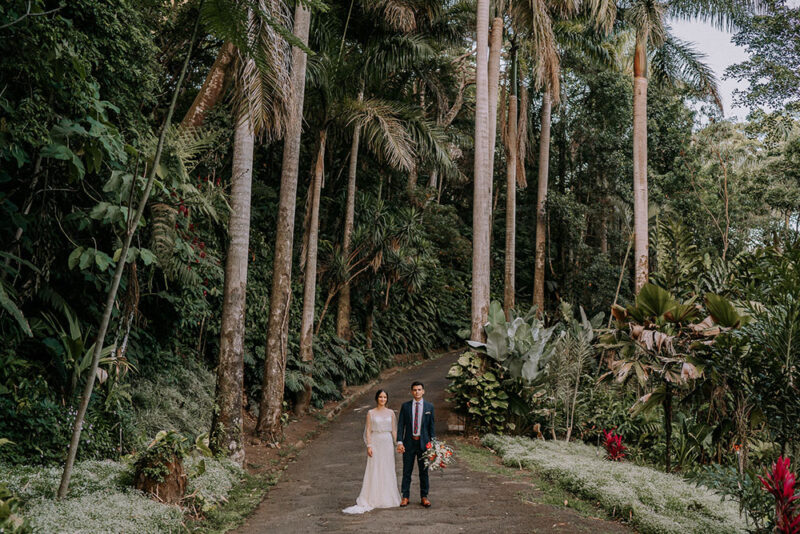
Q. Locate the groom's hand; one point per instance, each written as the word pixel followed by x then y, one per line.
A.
pixel 401 448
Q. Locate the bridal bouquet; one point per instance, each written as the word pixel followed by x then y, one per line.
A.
pixel 439 454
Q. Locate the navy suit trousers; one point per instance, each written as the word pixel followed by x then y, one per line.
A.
pixel 414 452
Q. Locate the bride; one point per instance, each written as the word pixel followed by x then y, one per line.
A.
pixel 379 489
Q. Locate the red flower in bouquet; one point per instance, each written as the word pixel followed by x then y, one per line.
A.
pixel 439 455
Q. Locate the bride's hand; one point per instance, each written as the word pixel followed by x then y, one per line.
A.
pixel 369 452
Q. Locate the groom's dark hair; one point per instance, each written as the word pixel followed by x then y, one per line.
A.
pixel 417 383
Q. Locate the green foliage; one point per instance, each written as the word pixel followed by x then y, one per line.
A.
pixel 478 391
pixel 178 397
pixel 519 345
pixel 745 489
pixel 166 448
pixel 11 520
pixel 567 370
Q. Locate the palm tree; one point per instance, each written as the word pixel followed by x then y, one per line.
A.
pixel 541 43
pixel 269 417
pixel 227 426
pixel 482 192
pixel 396 44
pixel 262 91
pixel 647 18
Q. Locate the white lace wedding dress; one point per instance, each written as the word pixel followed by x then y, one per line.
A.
pixel 379 489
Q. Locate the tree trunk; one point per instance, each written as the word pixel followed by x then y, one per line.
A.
pixel 433 179
pixel 413 175
pixel 640 206
pixel 541 204
pixel 495 47
pixel 482 193
pixel 604 230
pixel 211 90
pixel 226 427
pixel 269 417
pixel 132 225
pixel 511 206
pixel 343 311
pixel 310 279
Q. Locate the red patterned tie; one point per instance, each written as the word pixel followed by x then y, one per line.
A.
pixel 416 418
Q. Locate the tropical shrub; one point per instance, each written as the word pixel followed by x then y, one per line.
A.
pixel 780 483
pixel 521 345
pixel 477 392
pixel 566 371
pixel 744 488
pixel 657 338
pixel 615 450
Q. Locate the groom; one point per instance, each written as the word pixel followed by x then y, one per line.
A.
pixel 414 433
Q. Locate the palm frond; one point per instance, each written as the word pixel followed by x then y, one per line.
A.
pixel 540 44
pixel 383 130
pixel 264 83
pixel 722 14
pixel 678 62
pixel 647 16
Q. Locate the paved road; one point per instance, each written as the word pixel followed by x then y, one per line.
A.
pixel 327 478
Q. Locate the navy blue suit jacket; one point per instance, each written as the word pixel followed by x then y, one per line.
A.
pixel 405 424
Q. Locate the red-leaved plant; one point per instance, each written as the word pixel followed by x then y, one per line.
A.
pixel 615 450
pixel 780 483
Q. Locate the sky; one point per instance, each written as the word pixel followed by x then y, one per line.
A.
pixel 720 53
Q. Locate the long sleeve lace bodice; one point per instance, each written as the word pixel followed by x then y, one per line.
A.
pixel 380 422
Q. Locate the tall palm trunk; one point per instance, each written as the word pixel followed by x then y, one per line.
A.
pixel 269 417
pixel 211 90
pixel 541 203
pixel 343 311
pixel 226 428
pixel 310 278
pixel 482 193
pixel 495 47
pixel 511 204
pixel 641 247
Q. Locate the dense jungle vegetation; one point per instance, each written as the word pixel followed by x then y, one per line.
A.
pixel 213 210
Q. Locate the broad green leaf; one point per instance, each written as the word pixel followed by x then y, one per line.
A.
pixel 653 301
pixel 147 256
pixel 72 261
pixel 496 314
pixel 102 260
pixel 87 257
pixel 722 311
pixel 497 345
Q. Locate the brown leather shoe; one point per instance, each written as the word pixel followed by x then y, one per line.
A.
pixel 425 502
pixel 404 501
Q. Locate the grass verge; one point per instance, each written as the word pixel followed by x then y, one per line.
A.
pixel 542 491
pixel 242 501
pixel 652 501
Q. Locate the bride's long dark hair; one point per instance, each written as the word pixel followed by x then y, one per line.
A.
pixel 378 394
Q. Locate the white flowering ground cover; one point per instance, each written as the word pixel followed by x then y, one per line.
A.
pixel 101 499
pixel 652 501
